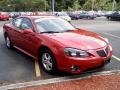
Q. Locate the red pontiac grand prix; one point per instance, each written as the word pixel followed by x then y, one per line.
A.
pixel 56 44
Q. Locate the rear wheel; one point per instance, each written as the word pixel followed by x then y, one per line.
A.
pixel 8 42
pixel 47 61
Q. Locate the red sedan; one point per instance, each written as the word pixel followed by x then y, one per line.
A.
pixel 56 44
pixel 4 16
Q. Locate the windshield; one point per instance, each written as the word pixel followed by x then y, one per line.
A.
pixel 53 25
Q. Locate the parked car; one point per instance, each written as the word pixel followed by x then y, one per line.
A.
pixel 56 44
pixel 14 14
pixel 63 15
pixel 85 15
pixel 113 16
pixel 73 16
pixel 100 13
pixel 4 16
pixel 108 12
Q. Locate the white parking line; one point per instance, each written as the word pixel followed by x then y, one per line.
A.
pixel 111 35
pixel 116 57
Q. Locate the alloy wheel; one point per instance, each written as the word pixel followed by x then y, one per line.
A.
pixel 47 61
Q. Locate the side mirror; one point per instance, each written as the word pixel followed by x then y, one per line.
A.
pixel 27 31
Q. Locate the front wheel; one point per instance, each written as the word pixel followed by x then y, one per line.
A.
pixel 109 18
pixel 47 61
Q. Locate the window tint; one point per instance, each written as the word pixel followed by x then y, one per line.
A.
pixel 17 22
pixel 26 24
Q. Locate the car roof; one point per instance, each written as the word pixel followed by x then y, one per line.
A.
pixel 38 17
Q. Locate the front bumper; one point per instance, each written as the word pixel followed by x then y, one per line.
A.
pixel 77 65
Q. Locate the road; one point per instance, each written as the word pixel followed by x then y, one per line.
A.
pixel 18 67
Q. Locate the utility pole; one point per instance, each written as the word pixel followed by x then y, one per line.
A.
pixel 53 6
pixel 93 1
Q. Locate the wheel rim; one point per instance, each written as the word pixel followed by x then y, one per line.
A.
pixel 7 42
pixel 47 61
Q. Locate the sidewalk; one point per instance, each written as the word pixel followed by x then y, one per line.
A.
pixel 98 82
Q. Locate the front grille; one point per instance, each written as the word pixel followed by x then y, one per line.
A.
pixel 101 53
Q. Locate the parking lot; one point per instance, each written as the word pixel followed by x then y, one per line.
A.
pixel 18 67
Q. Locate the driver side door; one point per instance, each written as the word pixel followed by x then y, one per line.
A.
pixel 29 39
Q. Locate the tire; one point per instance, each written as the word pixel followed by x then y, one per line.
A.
pixel 88 17
pixel 8 42
pixel 109 18
pixel 47 61
pixel 8 19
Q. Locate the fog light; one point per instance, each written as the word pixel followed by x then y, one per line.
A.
pixel 74 68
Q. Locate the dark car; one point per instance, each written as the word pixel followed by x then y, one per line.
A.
pixel 113 16
pixel 15 15
pixel 86 16
pixel 74 16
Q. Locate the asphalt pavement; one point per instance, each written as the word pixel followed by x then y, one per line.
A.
pixel 18 67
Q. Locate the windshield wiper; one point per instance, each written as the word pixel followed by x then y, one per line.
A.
pixel 50 32
pixel 68 30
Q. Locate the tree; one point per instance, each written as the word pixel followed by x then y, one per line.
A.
pixel 45 5
pixel 23 5
pixel 87 5
pixel 105 5
pixel 76 5
pixel 118 6
pixel 98 5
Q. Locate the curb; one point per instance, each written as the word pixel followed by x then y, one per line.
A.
pixel 55 80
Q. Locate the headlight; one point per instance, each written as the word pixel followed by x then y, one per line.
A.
pixel 75 52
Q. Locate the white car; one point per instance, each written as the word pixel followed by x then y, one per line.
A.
pixel 63 15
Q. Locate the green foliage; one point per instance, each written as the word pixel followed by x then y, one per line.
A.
pixel 99 5
pixel 23 5
pixel 45 5
pixel 104 5
pixel 76 5
pixel 87 5
pixel 118 6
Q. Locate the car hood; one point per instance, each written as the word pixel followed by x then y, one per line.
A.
pixel 80 39
pixel 65 17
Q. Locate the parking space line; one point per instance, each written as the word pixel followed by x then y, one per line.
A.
pixel 111 35
pixel 37 69
pixel 116 57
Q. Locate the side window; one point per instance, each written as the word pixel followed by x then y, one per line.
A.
pixel 26 24
pixel 17 22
